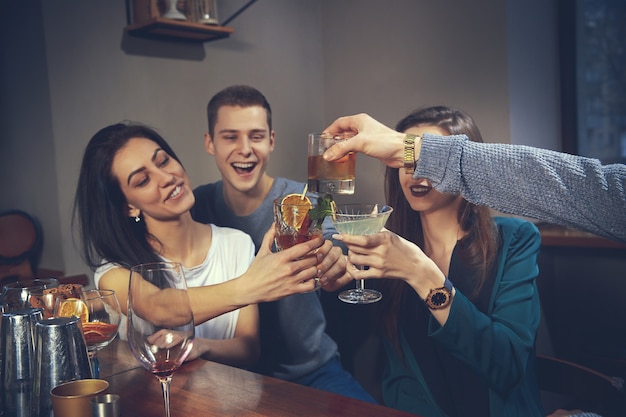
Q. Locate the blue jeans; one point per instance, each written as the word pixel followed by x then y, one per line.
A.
pixel 333 378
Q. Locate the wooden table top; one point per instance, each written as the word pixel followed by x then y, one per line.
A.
pixel 204 388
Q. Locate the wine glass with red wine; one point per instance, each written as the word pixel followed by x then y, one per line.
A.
pixel 160 320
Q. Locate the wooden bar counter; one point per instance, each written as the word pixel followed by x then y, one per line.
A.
pixel 204 388
pixel 558 236
pixel 582 282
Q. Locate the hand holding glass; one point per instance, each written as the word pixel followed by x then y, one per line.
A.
pixel 325 177
pixel 361 219
pixel 293 224
pixel 160 320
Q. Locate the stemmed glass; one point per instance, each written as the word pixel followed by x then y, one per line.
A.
pixel 360 219
pixel 160 320
pixel 100 314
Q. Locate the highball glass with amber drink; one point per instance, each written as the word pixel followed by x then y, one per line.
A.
pixel 325 177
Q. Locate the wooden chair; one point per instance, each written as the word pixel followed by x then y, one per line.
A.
pixel 580 387
pixel 21 244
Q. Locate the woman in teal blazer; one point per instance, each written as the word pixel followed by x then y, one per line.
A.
pixel 460 307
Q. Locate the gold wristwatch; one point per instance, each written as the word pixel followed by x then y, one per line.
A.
pixel 409 153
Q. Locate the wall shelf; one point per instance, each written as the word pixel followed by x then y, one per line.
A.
pixel 169 29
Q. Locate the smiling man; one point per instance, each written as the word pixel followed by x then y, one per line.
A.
pixel 294 344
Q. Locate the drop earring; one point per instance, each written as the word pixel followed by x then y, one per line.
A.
pixel 137 219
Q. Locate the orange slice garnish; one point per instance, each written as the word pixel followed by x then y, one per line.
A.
pixel 73 307
pixel 294 208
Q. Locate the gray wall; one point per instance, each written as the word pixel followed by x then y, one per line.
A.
pixel 68 69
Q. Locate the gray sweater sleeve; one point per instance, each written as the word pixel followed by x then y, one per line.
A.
pixel 546 185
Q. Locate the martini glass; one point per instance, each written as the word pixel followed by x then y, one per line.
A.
pixel 361 219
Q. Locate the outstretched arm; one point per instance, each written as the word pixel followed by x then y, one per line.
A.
pixel 271 276
pixel 551 186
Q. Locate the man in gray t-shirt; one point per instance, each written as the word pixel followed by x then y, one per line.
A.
pixel 294 344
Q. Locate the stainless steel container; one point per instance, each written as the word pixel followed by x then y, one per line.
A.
pixel 60 356
pixel 16 360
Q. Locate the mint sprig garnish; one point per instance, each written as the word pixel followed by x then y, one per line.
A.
pixel 325 207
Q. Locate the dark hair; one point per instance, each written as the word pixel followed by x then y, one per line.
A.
pixel 100 213
pixel 478 249
pixel 236 95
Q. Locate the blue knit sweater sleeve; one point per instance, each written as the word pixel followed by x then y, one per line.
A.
pixel 551 186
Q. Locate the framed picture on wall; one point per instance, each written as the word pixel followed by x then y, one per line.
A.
pixel 593 78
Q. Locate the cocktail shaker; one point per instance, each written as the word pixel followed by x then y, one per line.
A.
pixel 16 360
pixel 60 356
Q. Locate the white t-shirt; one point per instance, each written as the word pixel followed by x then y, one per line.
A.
pixel 229 256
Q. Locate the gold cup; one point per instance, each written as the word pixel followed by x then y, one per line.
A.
pixel 71 399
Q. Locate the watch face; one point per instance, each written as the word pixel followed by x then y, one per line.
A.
pixel 439 298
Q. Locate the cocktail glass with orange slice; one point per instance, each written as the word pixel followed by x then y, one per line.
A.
pixel 100 316
pixel 295 221
pixel 48 298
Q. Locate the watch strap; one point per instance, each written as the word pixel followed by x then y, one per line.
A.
pixel 409 153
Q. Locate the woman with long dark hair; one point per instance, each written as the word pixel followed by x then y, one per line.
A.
pixel 133 206
pixel 460 308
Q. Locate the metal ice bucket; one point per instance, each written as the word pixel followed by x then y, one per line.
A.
pixel 60 356
pixel 16 360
